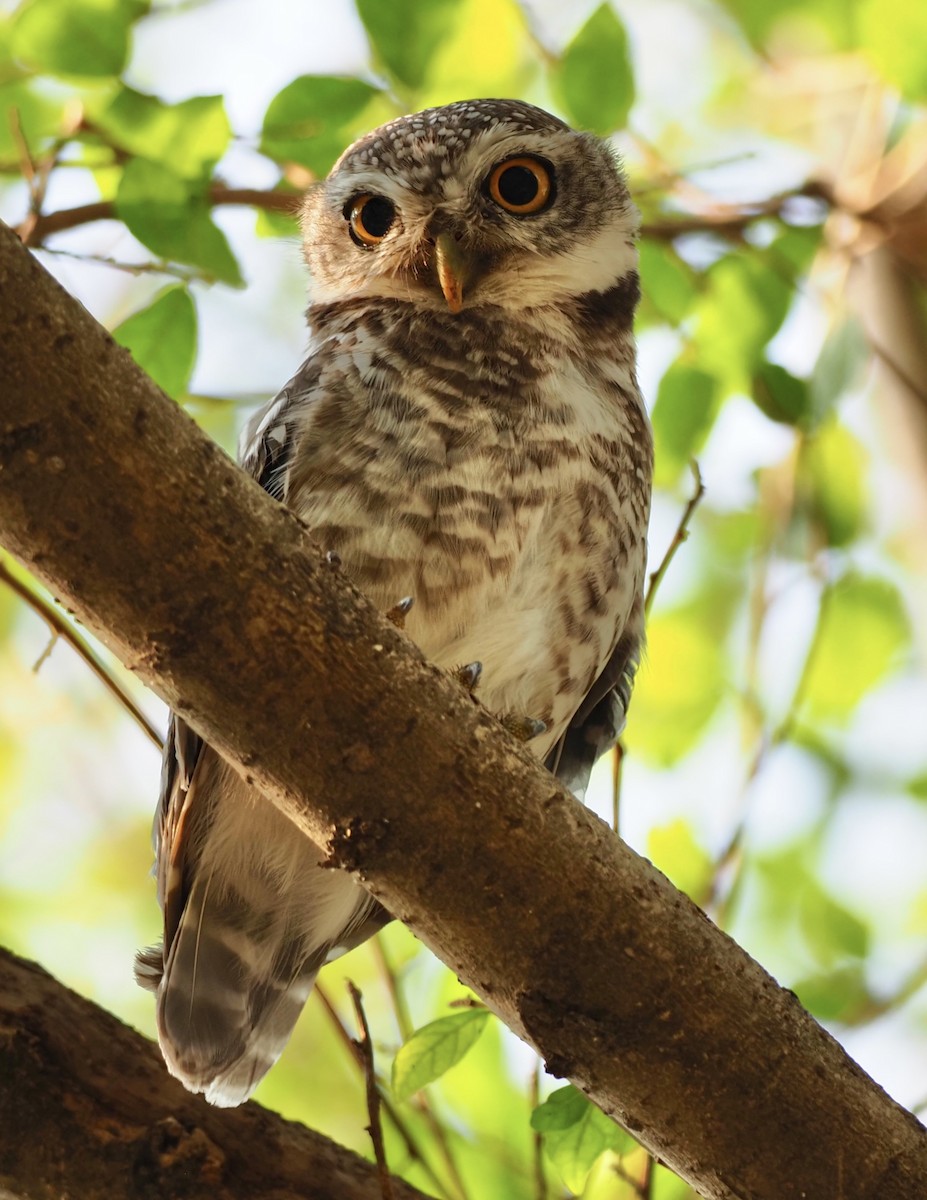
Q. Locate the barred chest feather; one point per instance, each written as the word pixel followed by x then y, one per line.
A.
pixel 495 467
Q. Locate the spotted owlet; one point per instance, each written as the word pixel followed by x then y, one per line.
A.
pixel 467 432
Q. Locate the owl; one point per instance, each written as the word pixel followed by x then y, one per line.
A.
pixel 466 436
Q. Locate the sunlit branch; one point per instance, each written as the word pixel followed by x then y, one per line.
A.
pixel 34 232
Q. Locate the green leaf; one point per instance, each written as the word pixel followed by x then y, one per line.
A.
pixel 745 303
pixel 406 33
pixel 484 54
pixel 796 23
pixel 918 786
pixel 832 485
pixel 686 406
pixel 673 850
pixel 666 282
pixel 896 46
pixel 864 629
pixel 162 339
pixel 780 395
pixel 74 37
pixel 312 119
pixel 595 79
pixel 171 217
pixel 839 365
pixel 831 930
pixel 40 119
pixel 834 995
pixel 679 685
pixel 189 137
pixel 270 224
pixel 434 1049
pixel 575 1133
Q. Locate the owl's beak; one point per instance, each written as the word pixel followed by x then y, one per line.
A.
pixel 454 268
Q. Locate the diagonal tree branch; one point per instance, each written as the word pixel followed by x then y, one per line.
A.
pixel 213 594
pixel 87 1110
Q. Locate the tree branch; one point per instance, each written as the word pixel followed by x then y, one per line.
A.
pixel 38 226
pixel 213 594
pixel 87 1110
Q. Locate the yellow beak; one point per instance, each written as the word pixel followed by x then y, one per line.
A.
pixel 454 269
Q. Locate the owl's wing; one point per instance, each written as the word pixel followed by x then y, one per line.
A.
pixel 597 723
pixel 265 450
pixel 248 916
pixel 267 441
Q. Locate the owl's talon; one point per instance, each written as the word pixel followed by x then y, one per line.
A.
pixel 332 559
pixel 398 613
pixel 468 676
pixel 523 729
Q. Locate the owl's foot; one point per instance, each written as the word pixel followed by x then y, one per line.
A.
pixel 523 729
pixel 398 613
pixel 468 676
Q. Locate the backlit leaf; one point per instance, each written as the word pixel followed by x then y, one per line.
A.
pixel 685 409
pixel 834 995
pixel 162 339
pixel 595 78
pixel 74 37
pixel 406 33
pixel 576 1133
pixel 864 629
pixel 780 395
pixel 673 850
pixel 839 364
pixel 745 303
pixel 831 483
pixel 171 217
pixel 312 119
pixel 434 1049
pixel 666 282
pixel 678 687
pixel 189 137
pixel 896 46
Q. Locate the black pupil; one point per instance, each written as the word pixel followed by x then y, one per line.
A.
pixel 517 186
pixel 376 216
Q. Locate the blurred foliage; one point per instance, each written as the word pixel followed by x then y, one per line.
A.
pixel 775 762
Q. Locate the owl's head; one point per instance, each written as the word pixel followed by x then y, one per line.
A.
pixel 479 202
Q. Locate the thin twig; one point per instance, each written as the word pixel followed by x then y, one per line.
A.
pixel 59 627
pixel 375 1128
pixel 412 1148
pixel 174 270
pixel 682 532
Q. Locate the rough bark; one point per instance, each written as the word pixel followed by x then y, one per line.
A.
pixel 212 593
pixel 88 1111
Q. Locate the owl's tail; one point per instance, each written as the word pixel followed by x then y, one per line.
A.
pixel 230 990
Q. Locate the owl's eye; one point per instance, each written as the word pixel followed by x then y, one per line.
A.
pixel 521 186
pixel 370 218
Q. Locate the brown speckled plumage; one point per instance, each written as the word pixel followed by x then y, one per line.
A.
pixel 494 463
